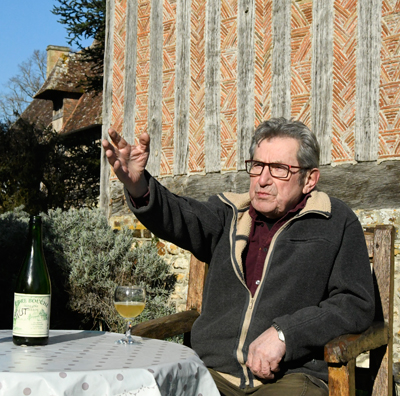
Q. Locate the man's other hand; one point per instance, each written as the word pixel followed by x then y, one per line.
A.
pixel 265 354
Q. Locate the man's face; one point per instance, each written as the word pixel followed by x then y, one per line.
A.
pixel 275 197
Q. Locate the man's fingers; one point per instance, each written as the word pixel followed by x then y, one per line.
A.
pixel 275 369
pixel 120 142
pixel 109 151
pixel 107 146
pixel 260 369
pixel 264 372
pixel 117 165
pixel 144 139
pixel 117 139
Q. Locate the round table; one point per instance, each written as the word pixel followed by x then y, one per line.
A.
pixel 90 363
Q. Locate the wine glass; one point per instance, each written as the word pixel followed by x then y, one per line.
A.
pixel 129 301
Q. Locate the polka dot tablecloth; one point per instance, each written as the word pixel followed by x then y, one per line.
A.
pixel 84 363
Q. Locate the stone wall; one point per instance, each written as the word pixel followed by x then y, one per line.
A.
pixel 176 257
pixel 179 261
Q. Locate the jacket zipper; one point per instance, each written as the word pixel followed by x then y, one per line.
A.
pixel 249 312
pixel 242 338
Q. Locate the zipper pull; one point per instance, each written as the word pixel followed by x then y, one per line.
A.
pixel 251 303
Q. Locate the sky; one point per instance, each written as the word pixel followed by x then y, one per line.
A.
pixel 27 25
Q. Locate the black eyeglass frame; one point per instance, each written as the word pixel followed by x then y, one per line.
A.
pixel 278 164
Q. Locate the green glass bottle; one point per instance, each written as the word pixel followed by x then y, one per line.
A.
pixel 32 295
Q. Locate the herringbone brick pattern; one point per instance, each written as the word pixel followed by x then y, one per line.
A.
pixel 228 83
pixel 168 89
pixel 344 80
pixel 263 60
pixel 142 66
pixel 301 59
pixel 389 115
pixel 344 75
pixel 119 65
pixel 197 86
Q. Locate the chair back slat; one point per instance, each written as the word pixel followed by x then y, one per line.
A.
pixel 197 277
pixel 381 359
pixel 369 239
pixel 383 269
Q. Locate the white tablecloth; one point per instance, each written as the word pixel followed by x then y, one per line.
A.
pixel 84 363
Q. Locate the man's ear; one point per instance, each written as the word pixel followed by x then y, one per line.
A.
pixel 311 180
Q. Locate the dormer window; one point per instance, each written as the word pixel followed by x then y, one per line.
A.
pixel 57 107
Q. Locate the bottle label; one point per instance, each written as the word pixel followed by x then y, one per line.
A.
pixel 31 315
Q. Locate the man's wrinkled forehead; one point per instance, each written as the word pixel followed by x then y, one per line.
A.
pixel 266 149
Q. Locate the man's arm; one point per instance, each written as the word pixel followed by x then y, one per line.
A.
pixel 348 308
pixel 190 224
pixel 129 161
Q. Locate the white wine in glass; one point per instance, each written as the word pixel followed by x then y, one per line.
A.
pixel 129 301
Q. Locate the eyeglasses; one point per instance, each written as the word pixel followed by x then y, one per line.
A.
pixel 276 169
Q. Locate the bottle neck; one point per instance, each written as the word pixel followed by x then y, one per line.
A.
pixel 35 232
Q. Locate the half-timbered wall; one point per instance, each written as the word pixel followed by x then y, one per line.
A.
pixel 198 76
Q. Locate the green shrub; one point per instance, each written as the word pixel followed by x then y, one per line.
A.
pixel 13 232
pixel 86 261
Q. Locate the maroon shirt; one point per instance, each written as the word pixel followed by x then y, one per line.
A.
pixel 261 233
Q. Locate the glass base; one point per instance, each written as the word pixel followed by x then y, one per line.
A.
pixel 128 341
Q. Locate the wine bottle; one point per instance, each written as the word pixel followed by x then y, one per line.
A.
pixel 32 295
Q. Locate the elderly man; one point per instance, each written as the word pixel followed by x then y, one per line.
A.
pixel 289 269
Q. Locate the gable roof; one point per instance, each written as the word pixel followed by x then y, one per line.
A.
pixel 87 113
pixel 65 77
pixel 39 112
pixel 64 82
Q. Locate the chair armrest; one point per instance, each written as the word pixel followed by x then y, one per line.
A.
pixel 347 347
pixel 167 326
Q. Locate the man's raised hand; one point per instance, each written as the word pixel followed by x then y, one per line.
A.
pixel 129 161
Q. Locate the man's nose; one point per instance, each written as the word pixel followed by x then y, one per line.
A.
pixel 265 178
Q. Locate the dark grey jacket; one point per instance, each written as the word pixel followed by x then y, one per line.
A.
pixel 316 283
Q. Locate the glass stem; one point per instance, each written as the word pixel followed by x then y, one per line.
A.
pixel 128 329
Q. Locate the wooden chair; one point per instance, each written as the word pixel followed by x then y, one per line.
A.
pixel 341 353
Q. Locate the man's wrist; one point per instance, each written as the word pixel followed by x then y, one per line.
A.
pixel 139 202
pixel 280 332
